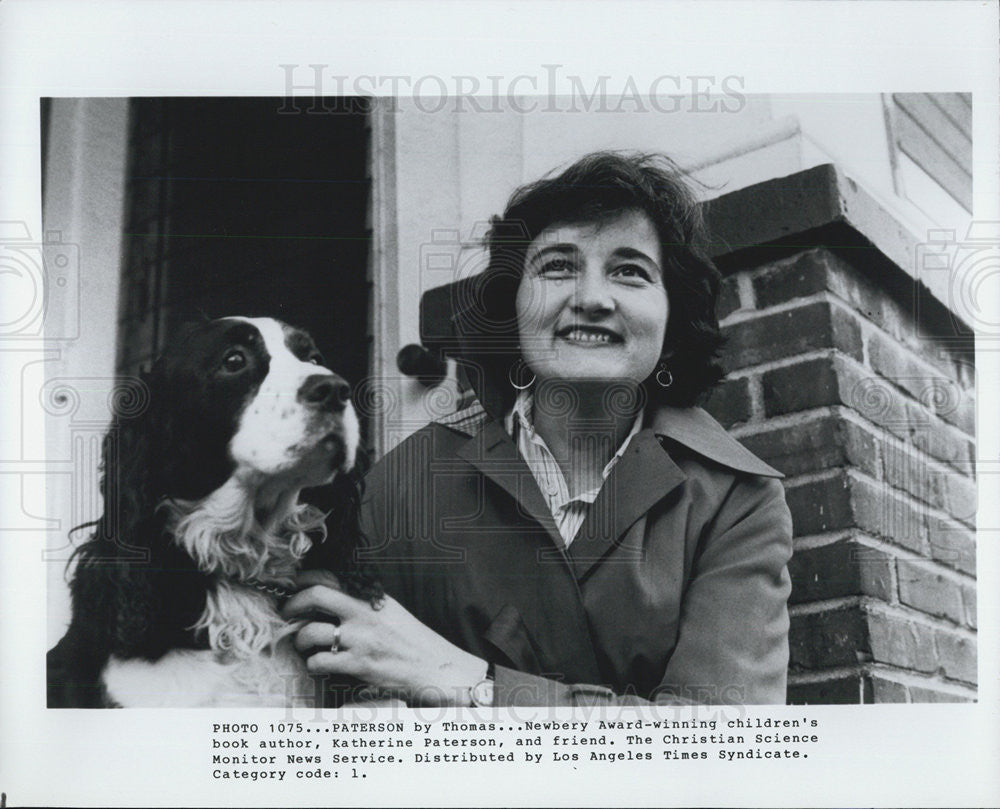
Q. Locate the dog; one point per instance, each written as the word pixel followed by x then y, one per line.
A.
pixel 175 595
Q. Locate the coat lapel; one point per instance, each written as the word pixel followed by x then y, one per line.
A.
pixel 644 475
pixel 493 453
pixel 697 430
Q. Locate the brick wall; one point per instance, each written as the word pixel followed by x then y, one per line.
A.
pixel 832 379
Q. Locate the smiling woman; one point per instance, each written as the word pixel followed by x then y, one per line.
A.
pixel 591 311
pixel 591 302
pixel 581 533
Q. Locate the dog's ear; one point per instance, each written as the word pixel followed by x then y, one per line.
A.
pixel 130 481
pixel 112 587
pixel 339 552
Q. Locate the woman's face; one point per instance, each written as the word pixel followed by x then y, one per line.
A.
pixel 591 302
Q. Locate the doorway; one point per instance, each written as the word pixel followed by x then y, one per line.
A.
pixel 250 206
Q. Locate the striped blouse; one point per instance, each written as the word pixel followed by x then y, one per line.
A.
pixel 568 512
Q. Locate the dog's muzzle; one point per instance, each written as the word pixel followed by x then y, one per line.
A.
pixel 325 392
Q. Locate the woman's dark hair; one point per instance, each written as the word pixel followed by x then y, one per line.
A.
pixel 601 186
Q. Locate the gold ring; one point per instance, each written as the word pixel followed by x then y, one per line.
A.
pixel 335 646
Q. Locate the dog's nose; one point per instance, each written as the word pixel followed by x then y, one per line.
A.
pixel 325 392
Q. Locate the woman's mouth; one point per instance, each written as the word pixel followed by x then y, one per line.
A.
pixel 588 336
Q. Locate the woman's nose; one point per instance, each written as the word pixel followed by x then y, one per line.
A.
pixel 592 293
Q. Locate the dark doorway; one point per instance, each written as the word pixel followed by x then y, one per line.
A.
pixel 252 206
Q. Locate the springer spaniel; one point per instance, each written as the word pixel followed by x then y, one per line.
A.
pixel 176 594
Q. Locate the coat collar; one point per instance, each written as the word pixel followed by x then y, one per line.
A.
pixel 645 475
pixel 695 429
pixel 690 427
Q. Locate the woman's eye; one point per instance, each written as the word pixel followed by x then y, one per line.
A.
pixel 234 361
pixel 558 266
pixel 632 271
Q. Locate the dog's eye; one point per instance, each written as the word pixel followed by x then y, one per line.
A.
pixel 316 359
pixel 234 361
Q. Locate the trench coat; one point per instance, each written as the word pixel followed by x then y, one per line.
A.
pixel 674 590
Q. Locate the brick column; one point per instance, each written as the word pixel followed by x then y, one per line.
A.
pixel 858 384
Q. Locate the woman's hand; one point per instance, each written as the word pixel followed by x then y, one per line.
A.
pixel 388 648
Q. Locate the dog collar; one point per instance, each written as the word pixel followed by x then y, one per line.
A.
pixel 270 589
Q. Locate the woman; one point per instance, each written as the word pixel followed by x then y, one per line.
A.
pixel 582 533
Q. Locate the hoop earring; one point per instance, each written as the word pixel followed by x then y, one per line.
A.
pixel 514 372
pixel 663 377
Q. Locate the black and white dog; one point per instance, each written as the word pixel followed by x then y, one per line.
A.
pixel 176 594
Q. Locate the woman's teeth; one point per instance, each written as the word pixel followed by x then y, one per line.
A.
pixel 587 337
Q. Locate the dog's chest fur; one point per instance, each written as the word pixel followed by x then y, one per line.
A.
pixel 196 678
pixel 272 674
